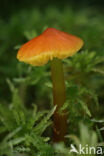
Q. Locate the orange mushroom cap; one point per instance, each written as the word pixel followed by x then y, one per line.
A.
pixel 52 43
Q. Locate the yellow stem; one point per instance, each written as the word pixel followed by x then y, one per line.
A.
pixel 59 120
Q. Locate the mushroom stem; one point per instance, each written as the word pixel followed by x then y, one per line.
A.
pixel 59 119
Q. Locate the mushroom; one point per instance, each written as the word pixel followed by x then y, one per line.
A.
pixel 53 45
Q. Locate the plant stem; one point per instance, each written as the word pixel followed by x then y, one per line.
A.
pixel 59 120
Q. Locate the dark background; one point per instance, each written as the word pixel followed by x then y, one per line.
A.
pixel 9 7
pixel 20 21
pixel 18 16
